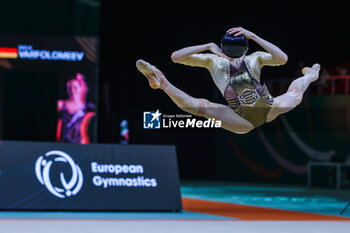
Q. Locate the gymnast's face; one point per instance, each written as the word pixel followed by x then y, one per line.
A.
pixel 73 87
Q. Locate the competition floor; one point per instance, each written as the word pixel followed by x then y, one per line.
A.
pixel 208 207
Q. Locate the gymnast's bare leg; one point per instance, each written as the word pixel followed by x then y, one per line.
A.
pixel 294 95
pixel 231 121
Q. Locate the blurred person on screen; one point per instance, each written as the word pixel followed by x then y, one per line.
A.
pixel 74 113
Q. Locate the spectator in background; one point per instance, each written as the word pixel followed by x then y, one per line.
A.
pixel 342 70
pixel 74 113
pixel 324 77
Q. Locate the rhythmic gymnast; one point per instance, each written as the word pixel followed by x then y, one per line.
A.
pixel 74 113
pixel 238 78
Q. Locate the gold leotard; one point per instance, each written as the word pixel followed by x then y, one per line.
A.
pixel 242 88
pixel 247 97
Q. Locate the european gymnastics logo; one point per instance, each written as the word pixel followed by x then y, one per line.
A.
pixel 42 170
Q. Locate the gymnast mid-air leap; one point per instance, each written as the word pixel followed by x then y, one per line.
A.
pixel 238 78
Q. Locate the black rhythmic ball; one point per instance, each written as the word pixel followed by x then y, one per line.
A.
pixel 234 46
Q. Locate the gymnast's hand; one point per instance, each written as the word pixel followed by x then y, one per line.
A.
pixel 218 51
pixel 278 55
pixel 240 31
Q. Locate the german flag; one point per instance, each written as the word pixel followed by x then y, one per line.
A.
pixel 11 53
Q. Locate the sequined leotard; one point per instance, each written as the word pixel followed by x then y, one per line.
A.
pixel 247 97
pixel 239 82
pixel 71 123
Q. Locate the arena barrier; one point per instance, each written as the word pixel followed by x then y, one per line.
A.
pixel 60 176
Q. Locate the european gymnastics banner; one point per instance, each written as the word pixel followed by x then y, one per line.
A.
pixel 60 176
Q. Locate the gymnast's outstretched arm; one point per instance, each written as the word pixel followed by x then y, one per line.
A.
pixel 179 55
